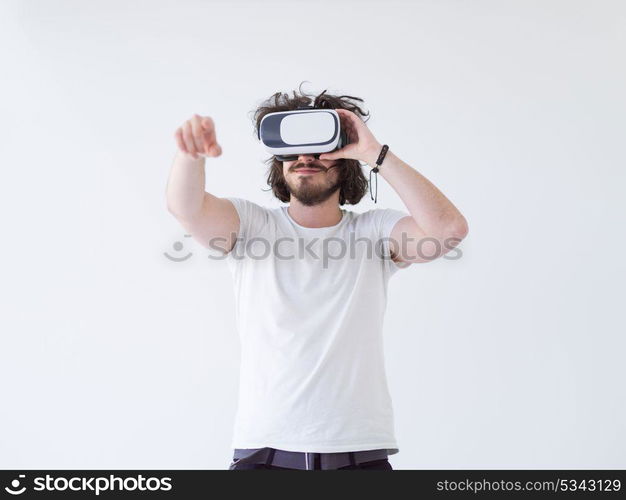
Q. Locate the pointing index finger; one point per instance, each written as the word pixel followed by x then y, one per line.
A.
pixel 208 129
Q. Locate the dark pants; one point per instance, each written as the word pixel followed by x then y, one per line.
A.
pixel 373 465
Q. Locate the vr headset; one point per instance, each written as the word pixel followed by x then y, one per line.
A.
pixel 305 130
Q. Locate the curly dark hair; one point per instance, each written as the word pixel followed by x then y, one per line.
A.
pixel 352 181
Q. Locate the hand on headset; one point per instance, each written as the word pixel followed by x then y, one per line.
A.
pixel 362 145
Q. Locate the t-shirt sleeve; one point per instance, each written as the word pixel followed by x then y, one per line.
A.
pixel 252 220
pixel 384 220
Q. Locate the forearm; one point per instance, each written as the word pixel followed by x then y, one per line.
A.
pixel 185 191
pixel 432 211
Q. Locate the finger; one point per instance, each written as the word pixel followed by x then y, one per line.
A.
pixel 350 123
pixel 353 124
pixel 208 124
pixel 347 116
pixel 189 142
pixel 201 135
pixel 352 135
pixel 208 127
pixel 215 150
pixel 334 155
pixel 213 147
pixel 350 115
pixel 198 134
pixel 179 140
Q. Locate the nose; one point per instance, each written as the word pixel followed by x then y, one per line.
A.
pixel 306 158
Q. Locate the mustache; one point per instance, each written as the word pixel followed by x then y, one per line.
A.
pixel 313 166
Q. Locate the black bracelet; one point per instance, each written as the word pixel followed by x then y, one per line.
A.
pixel 379 161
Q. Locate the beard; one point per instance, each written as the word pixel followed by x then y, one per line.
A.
pixel 309 192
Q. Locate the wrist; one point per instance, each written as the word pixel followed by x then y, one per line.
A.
pixel 189 159
pixel 372 155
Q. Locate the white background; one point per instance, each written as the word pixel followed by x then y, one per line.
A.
pixel 113 356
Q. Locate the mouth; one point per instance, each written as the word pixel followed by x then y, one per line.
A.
pixel 308 170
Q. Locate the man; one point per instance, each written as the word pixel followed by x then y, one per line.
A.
pixel 313 390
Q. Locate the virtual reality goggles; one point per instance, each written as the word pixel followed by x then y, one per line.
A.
pixel 311 131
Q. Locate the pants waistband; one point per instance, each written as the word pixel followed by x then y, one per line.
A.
pixel 305 461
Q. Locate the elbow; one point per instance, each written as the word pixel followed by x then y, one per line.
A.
pixel 171 207
pixel 174 210
pixel 459 229
pixel 174 207
pixel 168 201
pixel 182 214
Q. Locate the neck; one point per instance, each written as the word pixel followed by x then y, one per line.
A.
pixel 325 214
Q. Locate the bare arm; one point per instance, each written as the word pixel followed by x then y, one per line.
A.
pixel 441 225
pixel 435 225
pixel 210 220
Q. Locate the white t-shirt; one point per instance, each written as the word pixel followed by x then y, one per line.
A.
pixel 310 304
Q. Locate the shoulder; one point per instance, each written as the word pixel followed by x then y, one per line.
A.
pixel 247 207
pixel 244 204
pixel 253 217
pixel 380 220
